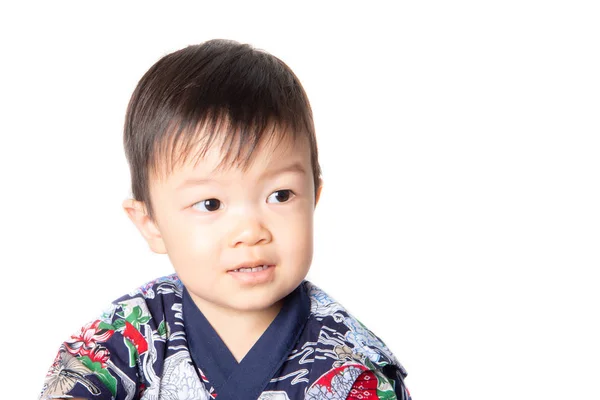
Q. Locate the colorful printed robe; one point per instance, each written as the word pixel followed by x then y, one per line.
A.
pixel 139 349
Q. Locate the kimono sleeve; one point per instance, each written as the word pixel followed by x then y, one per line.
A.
pixel 99 362
pixel 396 377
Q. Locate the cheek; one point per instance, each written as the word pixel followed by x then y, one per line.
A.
pixel 296 236
pixel 192 244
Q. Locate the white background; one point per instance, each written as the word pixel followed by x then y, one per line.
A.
pixel 460 146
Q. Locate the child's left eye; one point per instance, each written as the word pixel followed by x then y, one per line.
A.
pixel 281 195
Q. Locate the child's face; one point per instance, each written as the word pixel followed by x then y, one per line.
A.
pixel 233 218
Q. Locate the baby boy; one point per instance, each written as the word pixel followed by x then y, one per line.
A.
pixel 225 179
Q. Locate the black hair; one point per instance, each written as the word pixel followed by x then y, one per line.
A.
pixel 220 89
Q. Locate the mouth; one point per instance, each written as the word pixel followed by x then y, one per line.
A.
pixel 252 266
pixel 253 273
pixel 252 269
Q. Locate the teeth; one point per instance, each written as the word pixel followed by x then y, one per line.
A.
pixel 255 269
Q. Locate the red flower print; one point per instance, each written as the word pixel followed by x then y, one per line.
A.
pixel 86 340
pixel 99 354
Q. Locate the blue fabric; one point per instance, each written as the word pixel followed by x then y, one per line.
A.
pixel 255 370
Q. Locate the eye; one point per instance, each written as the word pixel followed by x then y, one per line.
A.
pixel 281 195
pixel 207 205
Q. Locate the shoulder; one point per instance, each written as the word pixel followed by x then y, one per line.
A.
pixel 160 286
pixel 119 351
pixel 156 291
pixel 362 343
pixel 149 304
pixel 356 358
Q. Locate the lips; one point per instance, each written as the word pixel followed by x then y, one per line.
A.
pixel 252 274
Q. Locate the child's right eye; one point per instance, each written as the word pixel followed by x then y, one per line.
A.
pixel 207 205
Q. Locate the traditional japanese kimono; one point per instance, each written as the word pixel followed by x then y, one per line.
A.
pixel 155 344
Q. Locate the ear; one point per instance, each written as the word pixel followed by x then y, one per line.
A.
pixel 136 211
pixel 318 193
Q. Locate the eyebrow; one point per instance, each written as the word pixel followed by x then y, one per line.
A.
pixel 295 167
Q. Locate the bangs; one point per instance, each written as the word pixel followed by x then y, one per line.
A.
pixel 236 93
pixel 238 141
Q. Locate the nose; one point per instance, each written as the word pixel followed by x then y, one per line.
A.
pixel 250 231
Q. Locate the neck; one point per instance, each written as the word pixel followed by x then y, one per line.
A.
pixel 239 330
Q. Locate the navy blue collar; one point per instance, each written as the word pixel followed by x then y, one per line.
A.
pixel 247 379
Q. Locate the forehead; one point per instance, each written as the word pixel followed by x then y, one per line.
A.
pixel 220 154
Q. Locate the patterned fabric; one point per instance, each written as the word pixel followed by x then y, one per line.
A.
pixel 138 349
pixel 248 378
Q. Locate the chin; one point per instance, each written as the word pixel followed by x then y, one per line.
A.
pixel 257 304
